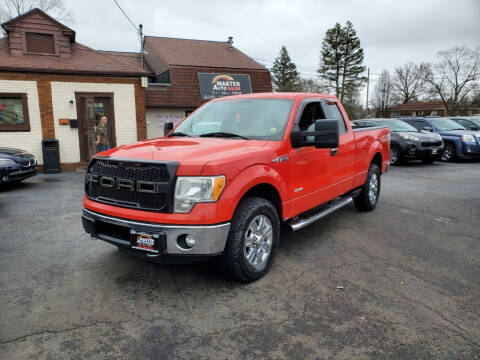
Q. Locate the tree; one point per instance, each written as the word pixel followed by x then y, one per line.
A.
pixel 455 76
pixel 410 81
pixel 55 8
pixel 341 63
pixel 285 76
pixel 383 93
pixel 312 86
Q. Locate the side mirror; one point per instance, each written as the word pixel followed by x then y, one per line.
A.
pixel 474 128
pixel 428 128
pixel 324 135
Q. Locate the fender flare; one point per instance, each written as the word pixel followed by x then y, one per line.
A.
pixel 247 179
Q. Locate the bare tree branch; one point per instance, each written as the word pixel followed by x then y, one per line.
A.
pixel 410 81
pixel 55 8
pixel 455 76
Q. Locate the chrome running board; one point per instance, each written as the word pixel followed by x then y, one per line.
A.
pixel 334 206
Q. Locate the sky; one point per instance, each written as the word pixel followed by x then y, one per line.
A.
pixel 392 32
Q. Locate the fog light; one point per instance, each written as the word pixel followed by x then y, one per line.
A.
pixel 5 178
pixel 190 240
pixel 186 241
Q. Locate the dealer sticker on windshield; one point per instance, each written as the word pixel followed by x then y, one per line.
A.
pixel 141 240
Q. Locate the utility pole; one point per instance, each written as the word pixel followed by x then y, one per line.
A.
pixel 140 35
pixel 368 87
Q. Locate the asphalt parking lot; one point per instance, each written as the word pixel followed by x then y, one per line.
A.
pixel 399 283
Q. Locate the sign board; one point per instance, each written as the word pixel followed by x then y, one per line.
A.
pixel 217 85
pixel 173 117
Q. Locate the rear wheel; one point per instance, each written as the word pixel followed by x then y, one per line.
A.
pixel 448 152
pixel 370 191
pixel 253 240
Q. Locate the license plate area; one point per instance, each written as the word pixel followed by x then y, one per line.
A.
pixel 145 241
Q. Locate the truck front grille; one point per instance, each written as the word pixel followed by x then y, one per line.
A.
pixel 129 183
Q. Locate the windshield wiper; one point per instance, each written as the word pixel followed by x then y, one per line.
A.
pixel 178 133
pixel 223 134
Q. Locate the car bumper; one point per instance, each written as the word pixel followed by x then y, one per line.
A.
pixel 7 176
pixel 469 151
pixel 412 151
pixel 209 239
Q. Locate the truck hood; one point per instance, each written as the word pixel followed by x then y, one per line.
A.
pixel 192 153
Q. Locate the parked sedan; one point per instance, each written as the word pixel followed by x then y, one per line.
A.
pixel 459 142
pixel 16 165
pixel 408 143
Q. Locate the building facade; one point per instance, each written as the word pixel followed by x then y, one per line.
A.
pixel 187 73
pixel 52 87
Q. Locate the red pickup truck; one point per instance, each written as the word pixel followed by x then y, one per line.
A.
pixel 224 181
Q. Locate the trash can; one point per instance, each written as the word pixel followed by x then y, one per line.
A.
pixel 51 156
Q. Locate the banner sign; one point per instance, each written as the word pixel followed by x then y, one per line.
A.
pixel 217 85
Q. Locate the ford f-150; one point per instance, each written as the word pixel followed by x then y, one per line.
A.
pixel 225 180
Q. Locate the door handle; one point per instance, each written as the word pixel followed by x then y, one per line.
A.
pixel 333 151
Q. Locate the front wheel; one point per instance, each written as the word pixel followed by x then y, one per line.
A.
pixel 370 191
pixel 253 240
pixel 448 152
pixel 394 155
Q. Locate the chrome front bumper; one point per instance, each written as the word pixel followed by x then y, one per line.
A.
pixel 210 239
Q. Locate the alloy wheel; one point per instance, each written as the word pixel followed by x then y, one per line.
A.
pixel 258 241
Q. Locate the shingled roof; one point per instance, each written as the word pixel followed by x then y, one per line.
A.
pixel 419 105
pixel 73 58
pixel 84 60
pixel 189 52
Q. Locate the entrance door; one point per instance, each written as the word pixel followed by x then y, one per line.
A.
pixel 91 108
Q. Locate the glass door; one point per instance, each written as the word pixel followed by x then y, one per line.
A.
pixel 92 109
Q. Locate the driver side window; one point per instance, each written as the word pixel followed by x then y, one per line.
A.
pixel 311 113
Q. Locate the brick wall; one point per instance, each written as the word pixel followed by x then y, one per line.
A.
pixel 30 141
pixel 185 92
pixel 48 100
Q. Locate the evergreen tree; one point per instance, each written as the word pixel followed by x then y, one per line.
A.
pixel 285 76
pixel 341 62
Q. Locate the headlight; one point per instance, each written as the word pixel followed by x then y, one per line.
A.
pixel 409 137
pixel 468 139
pixel 6 162
pixel 190 190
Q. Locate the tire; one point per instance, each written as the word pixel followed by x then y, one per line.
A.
pixel 370 191
pixel 395 157
pixel 255 222
pixel 448 152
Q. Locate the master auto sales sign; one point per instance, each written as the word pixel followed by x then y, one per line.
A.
pixel 217 85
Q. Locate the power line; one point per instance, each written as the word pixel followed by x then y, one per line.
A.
pixel 124 13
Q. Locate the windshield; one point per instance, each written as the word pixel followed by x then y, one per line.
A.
pixel 476 121
pixel 446 124
pixel 263 119
pixel 398 126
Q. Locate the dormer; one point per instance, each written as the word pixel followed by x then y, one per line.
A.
pixel 36 33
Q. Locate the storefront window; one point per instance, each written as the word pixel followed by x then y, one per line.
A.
pixel 14 112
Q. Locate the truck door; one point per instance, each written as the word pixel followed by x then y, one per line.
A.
pixel 343 158
pixel 311 168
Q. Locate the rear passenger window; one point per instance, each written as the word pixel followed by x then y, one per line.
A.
pixel 335 113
